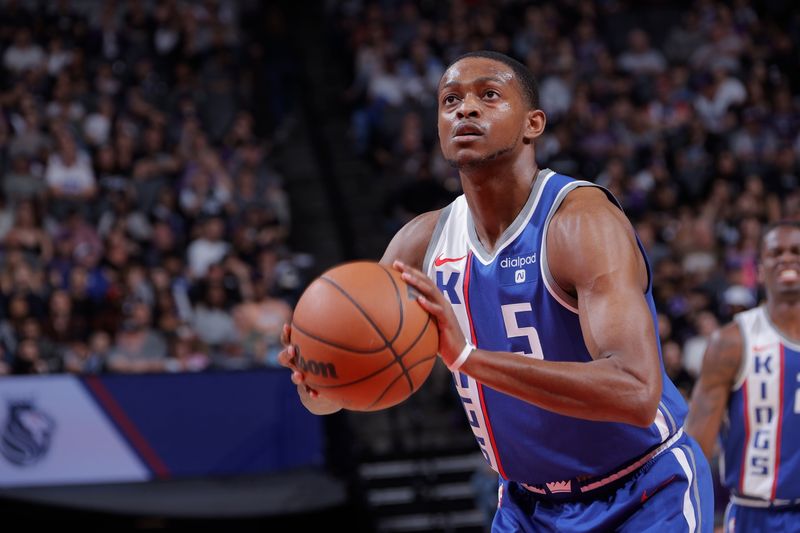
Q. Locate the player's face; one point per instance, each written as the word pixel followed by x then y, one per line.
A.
pixel 482 112
pixel 780 261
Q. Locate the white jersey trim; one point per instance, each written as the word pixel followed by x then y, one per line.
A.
pixel 518 226
pixel 566 300
pixel 688 508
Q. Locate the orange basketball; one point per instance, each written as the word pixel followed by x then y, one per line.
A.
pixel 362 338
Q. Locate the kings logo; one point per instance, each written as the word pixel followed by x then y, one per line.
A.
pixel 27 433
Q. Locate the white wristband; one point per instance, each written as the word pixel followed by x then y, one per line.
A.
pixel 462 357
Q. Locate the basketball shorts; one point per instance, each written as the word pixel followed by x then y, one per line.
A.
pixel 746 519
pixel 672 492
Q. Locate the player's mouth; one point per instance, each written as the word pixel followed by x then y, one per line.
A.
pixel 788 275
pixel 467 130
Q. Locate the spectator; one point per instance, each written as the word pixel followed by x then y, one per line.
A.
pixel 138 347
pixel 20 183
pixel 209 248
pixel 28 359
pixel 70 176
pixel 639 58
pixel 214 325
pixel 259 323
pixel 23 55
pixel 28 236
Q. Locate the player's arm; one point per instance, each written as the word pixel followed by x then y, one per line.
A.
pixel 593 252
pixel 721 364
pixel 411 242
pixel 408 245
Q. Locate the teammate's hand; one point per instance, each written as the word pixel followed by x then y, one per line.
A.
pixel 308 396
pixel 451 339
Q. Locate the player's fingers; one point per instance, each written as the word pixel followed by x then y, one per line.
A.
pixel 286 357
pixel 433 308
pixel 405 269
pixel 298 378
pixel 421 283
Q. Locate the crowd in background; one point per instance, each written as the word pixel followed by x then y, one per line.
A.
pixel 687 113
pixel 142 226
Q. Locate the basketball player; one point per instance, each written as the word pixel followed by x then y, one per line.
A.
pixel 542 296
pixel 750 377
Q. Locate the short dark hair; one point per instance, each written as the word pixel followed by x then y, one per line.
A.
pixel 525 78
pixel 786 223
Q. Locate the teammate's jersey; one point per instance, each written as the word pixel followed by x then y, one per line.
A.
pixel 761 436
pixel 507 300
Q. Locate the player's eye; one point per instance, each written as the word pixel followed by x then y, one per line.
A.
pixel 491 94
pixel 449 99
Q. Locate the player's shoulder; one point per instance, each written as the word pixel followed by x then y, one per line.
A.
pixel 588 220
pixel 729 335
pixel 411 241
pixel 725 349
pixel 588 201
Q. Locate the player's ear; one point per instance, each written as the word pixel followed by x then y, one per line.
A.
pixel 534 125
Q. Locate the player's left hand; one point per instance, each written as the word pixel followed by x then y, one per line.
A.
pixel 451 339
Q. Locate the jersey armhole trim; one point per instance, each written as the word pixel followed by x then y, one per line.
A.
pixel 435 237
pixel 741 373
pixel 566 300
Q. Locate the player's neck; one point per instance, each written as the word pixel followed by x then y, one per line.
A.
pixel 496 194
pixel 784 314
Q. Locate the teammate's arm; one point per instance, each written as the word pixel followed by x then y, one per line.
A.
pixel 592 252
pixel 408 245
pixel 721 364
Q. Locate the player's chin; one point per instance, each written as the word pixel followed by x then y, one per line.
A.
pixel 465 158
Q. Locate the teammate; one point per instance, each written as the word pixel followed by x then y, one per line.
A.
pixel 751 371
pixel 542 296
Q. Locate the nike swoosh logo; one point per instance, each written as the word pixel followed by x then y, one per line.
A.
pixel 439 261
pixel 646 496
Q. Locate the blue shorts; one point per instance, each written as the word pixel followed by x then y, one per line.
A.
pixel 740 518
pixel 670 492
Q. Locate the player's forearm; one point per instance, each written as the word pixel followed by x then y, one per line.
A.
pixel 599 390
pixel 705 416
pixel 704 432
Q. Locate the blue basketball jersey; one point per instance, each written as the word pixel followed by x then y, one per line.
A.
pixel 507 300
pixel 761 436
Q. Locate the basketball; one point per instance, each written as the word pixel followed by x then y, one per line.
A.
pixel 361 337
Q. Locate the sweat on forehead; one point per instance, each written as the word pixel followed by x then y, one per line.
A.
pixel 460 73
pixel 498 64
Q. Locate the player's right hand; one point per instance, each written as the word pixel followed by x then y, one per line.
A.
pixel 309 397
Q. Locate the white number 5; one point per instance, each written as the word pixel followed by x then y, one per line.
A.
pixel 513 330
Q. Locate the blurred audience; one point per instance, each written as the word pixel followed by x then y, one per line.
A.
pixel 137 193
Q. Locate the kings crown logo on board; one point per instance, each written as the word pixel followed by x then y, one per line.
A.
pixel 27 433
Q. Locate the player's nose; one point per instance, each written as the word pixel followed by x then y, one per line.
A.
pixel 469 106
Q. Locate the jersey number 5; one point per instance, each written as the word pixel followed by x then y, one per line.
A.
pixel 513 328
